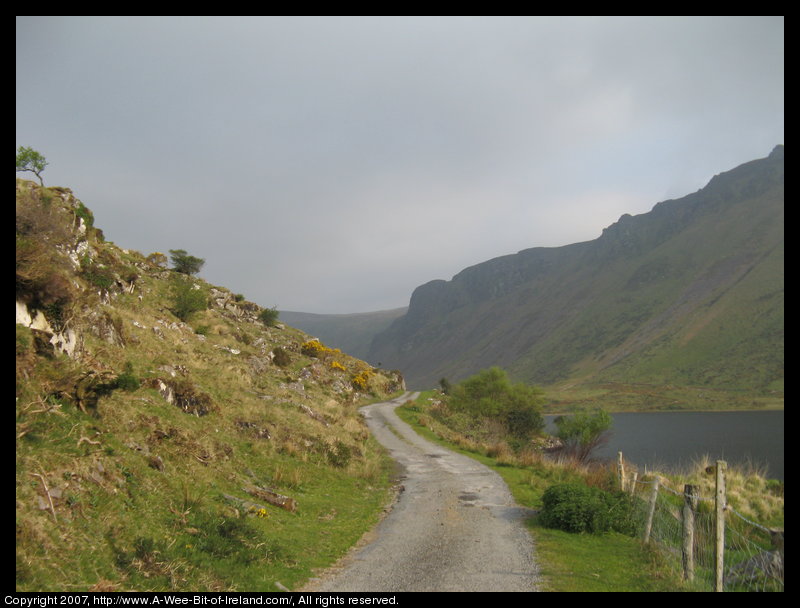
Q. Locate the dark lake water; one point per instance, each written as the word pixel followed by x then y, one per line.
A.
pixel 674 440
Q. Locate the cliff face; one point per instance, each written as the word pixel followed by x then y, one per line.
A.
pixel 690 293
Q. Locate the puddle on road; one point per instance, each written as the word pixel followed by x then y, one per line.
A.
pixel 468 497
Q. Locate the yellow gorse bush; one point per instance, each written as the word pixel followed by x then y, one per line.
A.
pixel 315 348
pixel 158 259
pixel 360 377
pixel 361 380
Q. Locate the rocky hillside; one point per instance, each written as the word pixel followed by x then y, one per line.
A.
pixel 688 296
pixel 169 435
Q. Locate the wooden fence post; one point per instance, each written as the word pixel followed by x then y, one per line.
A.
pixel 621 471
pixel 651 509
pixel 689 507
pixel 719 525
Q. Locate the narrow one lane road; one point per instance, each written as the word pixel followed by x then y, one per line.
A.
pixel 454 527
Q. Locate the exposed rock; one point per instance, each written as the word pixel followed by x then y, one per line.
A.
pixel 107 328
pixel 253 429
pixel 35 320
pixel 233 351
pixel 174 370
pixel 311 413
pixel 297 387
pixel 184 395
pixel 272 497
pixel 259 365
pixel 67 342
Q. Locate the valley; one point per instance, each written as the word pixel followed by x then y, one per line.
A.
pixel 678 308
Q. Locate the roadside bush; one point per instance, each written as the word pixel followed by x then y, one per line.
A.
pixel 583 432
pixel 577 508
pixel 490 394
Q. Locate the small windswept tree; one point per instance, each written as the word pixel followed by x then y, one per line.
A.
pixel 269 316
pixel 185 263
pixel 583 432
pixel 29 159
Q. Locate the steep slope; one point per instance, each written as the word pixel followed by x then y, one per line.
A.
pixel 353 333
pixel 689 294
pixel 206 451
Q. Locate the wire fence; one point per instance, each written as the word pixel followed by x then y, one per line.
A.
pixel 704 540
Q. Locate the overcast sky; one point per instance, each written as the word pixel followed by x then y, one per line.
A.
pixel 333 164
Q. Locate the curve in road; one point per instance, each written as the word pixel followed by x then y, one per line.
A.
pixel 454 526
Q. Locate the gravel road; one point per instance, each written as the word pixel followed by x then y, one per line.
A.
pixel 454 527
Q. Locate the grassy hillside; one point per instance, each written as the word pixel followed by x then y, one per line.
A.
pixel 206 451
pixel 689 296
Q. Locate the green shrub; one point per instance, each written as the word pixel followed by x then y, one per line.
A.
pixel 97 275
pixel 490 394
pixel 127 380
pixel 85 214
pixel 281 357
pixel 185 263
pixel 340 454
pixel 578 508
pixel 268 316
pixel 186 300
pixel 583 432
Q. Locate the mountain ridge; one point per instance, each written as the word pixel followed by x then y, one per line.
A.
pixel 574 313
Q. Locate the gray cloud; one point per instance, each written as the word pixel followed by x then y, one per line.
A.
pixel 332 164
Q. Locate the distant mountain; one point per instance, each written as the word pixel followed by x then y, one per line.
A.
pixel 352 333
pixel 689 294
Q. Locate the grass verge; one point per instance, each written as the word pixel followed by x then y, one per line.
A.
pixel 568 562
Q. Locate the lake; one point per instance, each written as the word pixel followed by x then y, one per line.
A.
pixel 674 440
